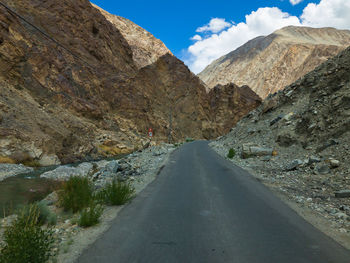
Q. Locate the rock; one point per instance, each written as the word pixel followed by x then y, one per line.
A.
pixel 47 160
pixel 342 194
pixel 8 170
pixel 289 116
pixel 251 131
pixel 314 159
pixel 334 163
pixel 279 117
pixel 269 104
pixel 294 165
pixel 250 150
pixel 322 169
pixel 159 151
pixel 65 172
pixel 341 215
pixel 112 166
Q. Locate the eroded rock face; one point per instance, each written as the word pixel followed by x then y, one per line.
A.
pixel 229 103
pixel 86 88
pixel 145 47
pixel 268 64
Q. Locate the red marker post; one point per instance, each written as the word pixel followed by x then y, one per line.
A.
pixel 150 133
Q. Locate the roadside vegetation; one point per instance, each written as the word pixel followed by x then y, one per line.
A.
pixel 231 153
pixel 25 240
pixel 76 194
pixel 30 237
pixel 116 193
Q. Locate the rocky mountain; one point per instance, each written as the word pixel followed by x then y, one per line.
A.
pixel 268 64
pixel 298 141
pixel 229 103
pixel 145 47
pixel 75 85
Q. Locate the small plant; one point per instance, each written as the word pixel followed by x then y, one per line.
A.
pixel 90 216
pixel 231 153
pixel 76 194
pixel 116 193
pixel 45 214
pixel 25 240
pixel 188 139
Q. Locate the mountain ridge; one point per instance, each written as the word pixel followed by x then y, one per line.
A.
pixel 268 64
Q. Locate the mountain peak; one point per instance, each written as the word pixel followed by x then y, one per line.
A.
pixel 269 63
pixel 145 47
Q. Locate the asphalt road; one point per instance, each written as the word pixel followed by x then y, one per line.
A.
pixel 201 208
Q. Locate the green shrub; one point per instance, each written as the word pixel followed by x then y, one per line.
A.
pixel 231 153
pixel 116 193
pixel 188 139
pixel 91 215
pixel 45 214
pixel 76 194
pixel 26 241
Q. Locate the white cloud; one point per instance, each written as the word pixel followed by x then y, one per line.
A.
pixel 328 13
pixel 215 25
pixel 295 2
pixel 196 38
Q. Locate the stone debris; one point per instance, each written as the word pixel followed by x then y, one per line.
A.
pixel 294 165
pixel 312 167
pixel 252 150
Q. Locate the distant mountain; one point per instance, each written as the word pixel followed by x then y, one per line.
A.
pixel 268 64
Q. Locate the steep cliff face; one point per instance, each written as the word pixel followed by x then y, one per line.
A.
pixel 75 86
pixel 268 64
pixel 230 103
pixel 145 47
pixel 80 93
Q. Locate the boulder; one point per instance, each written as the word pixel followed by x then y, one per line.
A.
pixel 65 172
pixel 47 160
pixel 251 150
pixel 294 165
pixel 322 169
pixel 333 163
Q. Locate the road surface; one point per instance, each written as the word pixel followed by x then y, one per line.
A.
pixel 202 208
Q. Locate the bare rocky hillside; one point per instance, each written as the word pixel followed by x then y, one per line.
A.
pixel 298 141
pixel 145 47
pixel 75 85
pixel 268 64
pixel 230 103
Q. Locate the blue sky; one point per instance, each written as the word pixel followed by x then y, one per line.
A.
pixel 175 22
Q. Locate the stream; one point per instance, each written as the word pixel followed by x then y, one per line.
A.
pixel 22 189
